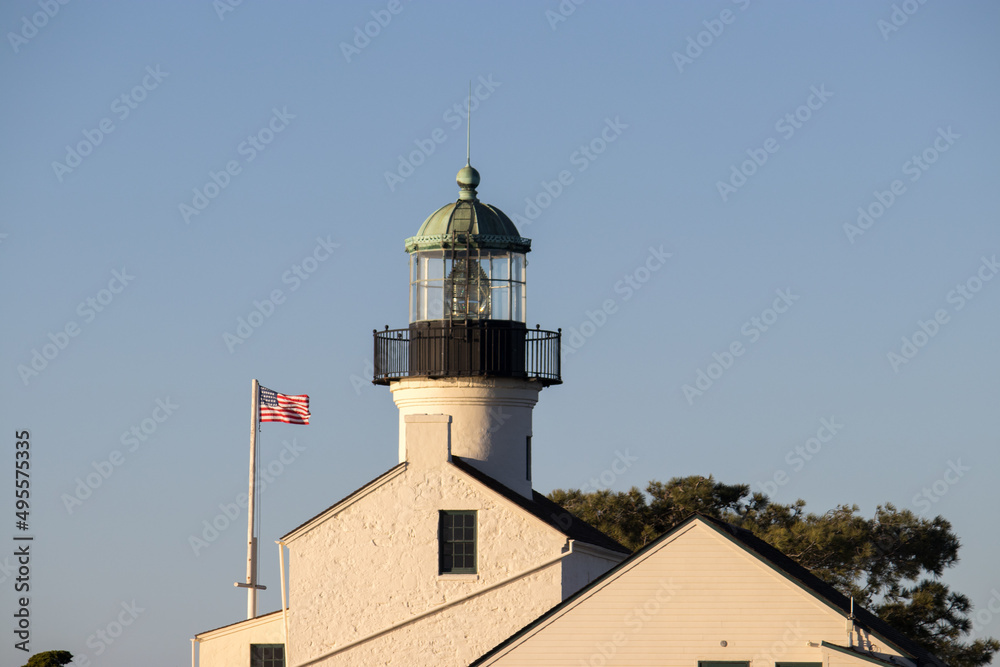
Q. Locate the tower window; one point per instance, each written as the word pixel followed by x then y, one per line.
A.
pixel 457 542
pixel 527 453
pixel 267 655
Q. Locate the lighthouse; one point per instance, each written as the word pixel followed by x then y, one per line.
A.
pixel 448 552
pixel 468 352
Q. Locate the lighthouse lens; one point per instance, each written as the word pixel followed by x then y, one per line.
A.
pixel 467 285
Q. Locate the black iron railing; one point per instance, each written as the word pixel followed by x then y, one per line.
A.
pixel 460 350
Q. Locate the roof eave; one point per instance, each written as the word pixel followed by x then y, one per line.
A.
pixel 461 240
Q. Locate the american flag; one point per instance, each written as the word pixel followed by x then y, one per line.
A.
pixel 275 407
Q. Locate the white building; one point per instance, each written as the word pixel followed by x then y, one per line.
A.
pixel 708 594
pixel 451 551
pixel 450 557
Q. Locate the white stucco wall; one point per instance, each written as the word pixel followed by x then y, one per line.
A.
pixel 374 564
pixel 457 634
pixel 491 420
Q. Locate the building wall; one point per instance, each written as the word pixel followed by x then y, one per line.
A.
pixel 457 634
pixel 584 565
pixel 230 646
pixel 491 421
pixel 374 564
pixel 676 604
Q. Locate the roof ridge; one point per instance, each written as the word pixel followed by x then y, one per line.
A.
pixel 552 513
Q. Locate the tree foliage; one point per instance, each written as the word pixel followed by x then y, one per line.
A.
pixel 50 659
pixel 890 563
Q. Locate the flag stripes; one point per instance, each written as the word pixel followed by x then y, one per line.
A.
pixel 275 407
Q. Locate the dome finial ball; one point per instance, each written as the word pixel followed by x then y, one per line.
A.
pixel 467 177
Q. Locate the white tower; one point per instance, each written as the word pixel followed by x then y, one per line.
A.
pixel 467 352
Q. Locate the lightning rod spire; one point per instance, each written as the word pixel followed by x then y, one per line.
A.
pixel 468 129
pixel 468 177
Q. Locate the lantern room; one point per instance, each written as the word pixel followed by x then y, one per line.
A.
pixel 468 299
pixel 467 262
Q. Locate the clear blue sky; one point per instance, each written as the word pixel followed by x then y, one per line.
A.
pixel 738 137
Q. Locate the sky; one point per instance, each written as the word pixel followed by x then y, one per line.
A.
pixel 768 231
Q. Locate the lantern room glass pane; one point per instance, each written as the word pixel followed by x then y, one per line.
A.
pixel 415 298
pixel 474 285
pixel 500 300
pixel 434 267
pixel 431 304
pixel 517 313
pixel 517 265
pixel 501 268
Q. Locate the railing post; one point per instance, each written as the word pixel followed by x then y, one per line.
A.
pixel 559 354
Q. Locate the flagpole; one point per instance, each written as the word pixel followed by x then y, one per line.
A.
pixel 251 539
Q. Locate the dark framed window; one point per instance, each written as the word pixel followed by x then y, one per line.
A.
pixel 527 451
pixel 457 542
pixel 267 655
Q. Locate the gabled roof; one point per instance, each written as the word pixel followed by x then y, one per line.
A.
pixel 538 506
pixel 821 589
pixel 546 510
pixel 348 499
pixel 771 557
pixel 256 620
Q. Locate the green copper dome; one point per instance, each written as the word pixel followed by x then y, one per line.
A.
pixel 468 220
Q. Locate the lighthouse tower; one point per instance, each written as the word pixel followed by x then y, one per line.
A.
pixel 467 352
